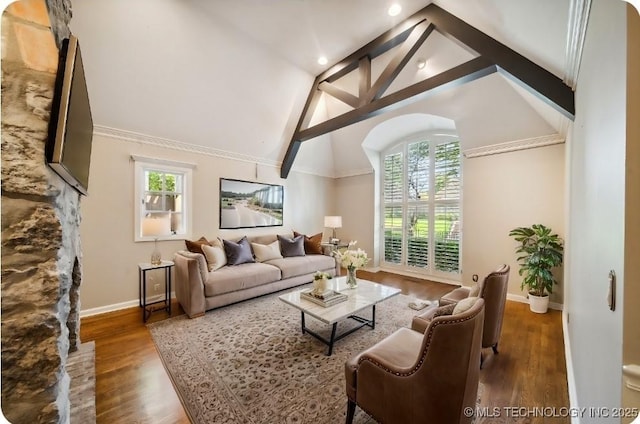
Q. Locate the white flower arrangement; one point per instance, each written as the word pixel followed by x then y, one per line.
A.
pixel 352 259
pixel 320 275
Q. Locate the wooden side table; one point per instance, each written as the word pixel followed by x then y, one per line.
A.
pixel 148 308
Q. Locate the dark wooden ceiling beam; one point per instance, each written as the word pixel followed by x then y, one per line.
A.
pixel 307 112
pixel 403 54
pixel 364 76
pixel 469 71
pixel 538 80
pixel 494 56
pixel 390 39
pixel 339 94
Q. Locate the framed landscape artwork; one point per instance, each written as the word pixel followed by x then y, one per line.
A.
pixel 244 204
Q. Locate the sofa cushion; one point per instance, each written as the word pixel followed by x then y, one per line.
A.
pixel 291 246
pixel 232 278
pixel 238 253
pixel 196 246
pixel 300 265
pixel 312 244
pixel 266 252
pixel 215 255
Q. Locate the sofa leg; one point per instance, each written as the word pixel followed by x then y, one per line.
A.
pixel 495 348
pixel 351 409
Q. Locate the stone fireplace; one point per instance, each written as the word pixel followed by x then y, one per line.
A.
pixel 41 252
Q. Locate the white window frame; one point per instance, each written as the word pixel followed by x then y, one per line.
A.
pixel 402 146
pixel 141 164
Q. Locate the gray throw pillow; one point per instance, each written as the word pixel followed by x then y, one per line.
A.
pixel 238 253
pixel 291 246
pixel 444 310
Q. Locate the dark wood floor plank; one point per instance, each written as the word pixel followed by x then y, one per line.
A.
pixel 132 385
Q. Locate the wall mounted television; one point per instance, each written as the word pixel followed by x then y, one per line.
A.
pixel 71 127
pixel 244 204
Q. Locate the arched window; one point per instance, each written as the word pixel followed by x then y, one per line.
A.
pixel 421 205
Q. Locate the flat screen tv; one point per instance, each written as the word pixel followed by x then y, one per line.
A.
pixel 245 204
pixel 71 126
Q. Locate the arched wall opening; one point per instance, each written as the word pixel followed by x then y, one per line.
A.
pixel 381 138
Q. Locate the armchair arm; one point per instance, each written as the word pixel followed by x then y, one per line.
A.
pixel 398 353
pixel 420 322
pixel 189 285
pixel 385 376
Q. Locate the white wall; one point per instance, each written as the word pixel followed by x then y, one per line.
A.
pixel 596 210
pixel 504 191
pixel 171 69
pixel 355 202
pixel 497 196
pixel 110 256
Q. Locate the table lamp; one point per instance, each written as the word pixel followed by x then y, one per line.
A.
pixel 156 227
pixel 333 222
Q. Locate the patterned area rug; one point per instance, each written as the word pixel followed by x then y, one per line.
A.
pixel 250 362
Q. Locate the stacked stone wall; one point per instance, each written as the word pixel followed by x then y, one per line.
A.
pixel 40 222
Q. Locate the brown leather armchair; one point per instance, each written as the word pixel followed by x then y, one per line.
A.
pixel 494 292
pixel 412 377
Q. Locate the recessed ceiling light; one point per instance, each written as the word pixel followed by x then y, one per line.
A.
pixel 421 63
pixel 322 60
pixel 394 10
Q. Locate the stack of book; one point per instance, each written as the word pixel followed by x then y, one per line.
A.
pixel 326 298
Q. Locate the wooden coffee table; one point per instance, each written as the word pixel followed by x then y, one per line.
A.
pixel 366 295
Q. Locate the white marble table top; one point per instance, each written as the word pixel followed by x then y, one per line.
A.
pixel 365 294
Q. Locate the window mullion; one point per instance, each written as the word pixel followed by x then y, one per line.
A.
pixel 405 214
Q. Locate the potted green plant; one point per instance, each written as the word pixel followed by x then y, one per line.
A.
pixel 540 250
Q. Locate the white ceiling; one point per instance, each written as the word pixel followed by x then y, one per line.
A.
pixel 233 75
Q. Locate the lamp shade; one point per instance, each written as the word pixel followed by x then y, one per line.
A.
pixel 156 226
pixel 333 221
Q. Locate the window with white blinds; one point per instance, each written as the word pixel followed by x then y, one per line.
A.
pixel 393 171
pixel 421 205
pixel 393 197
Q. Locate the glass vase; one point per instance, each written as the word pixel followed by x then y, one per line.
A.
pixel 351 277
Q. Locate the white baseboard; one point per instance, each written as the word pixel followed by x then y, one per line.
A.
pixel 571 381
pixel 418 275
pixel 118 306
pixel 523 299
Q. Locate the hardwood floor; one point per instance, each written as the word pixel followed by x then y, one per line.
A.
pixel 133 387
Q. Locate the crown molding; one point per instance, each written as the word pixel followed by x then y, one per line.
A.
pixel 135 137
pixel 311 171
pixel 513 146
pixel 354 173
pixel 576 32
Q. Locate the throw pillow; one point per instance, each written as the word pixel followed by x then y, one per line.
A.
pixel 312 244
pixel 464 305
pixel 215 254
pixel 444 310
pixel 266 252
pixel 475 290
pixel 238 253
pixel 291 246
pixel 196 246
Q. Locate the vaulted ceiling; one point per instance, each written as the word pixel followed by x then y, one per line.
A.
pixel 232 77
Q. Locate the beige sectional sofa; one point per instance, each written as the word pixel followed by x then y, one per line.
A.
pixel 198 289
